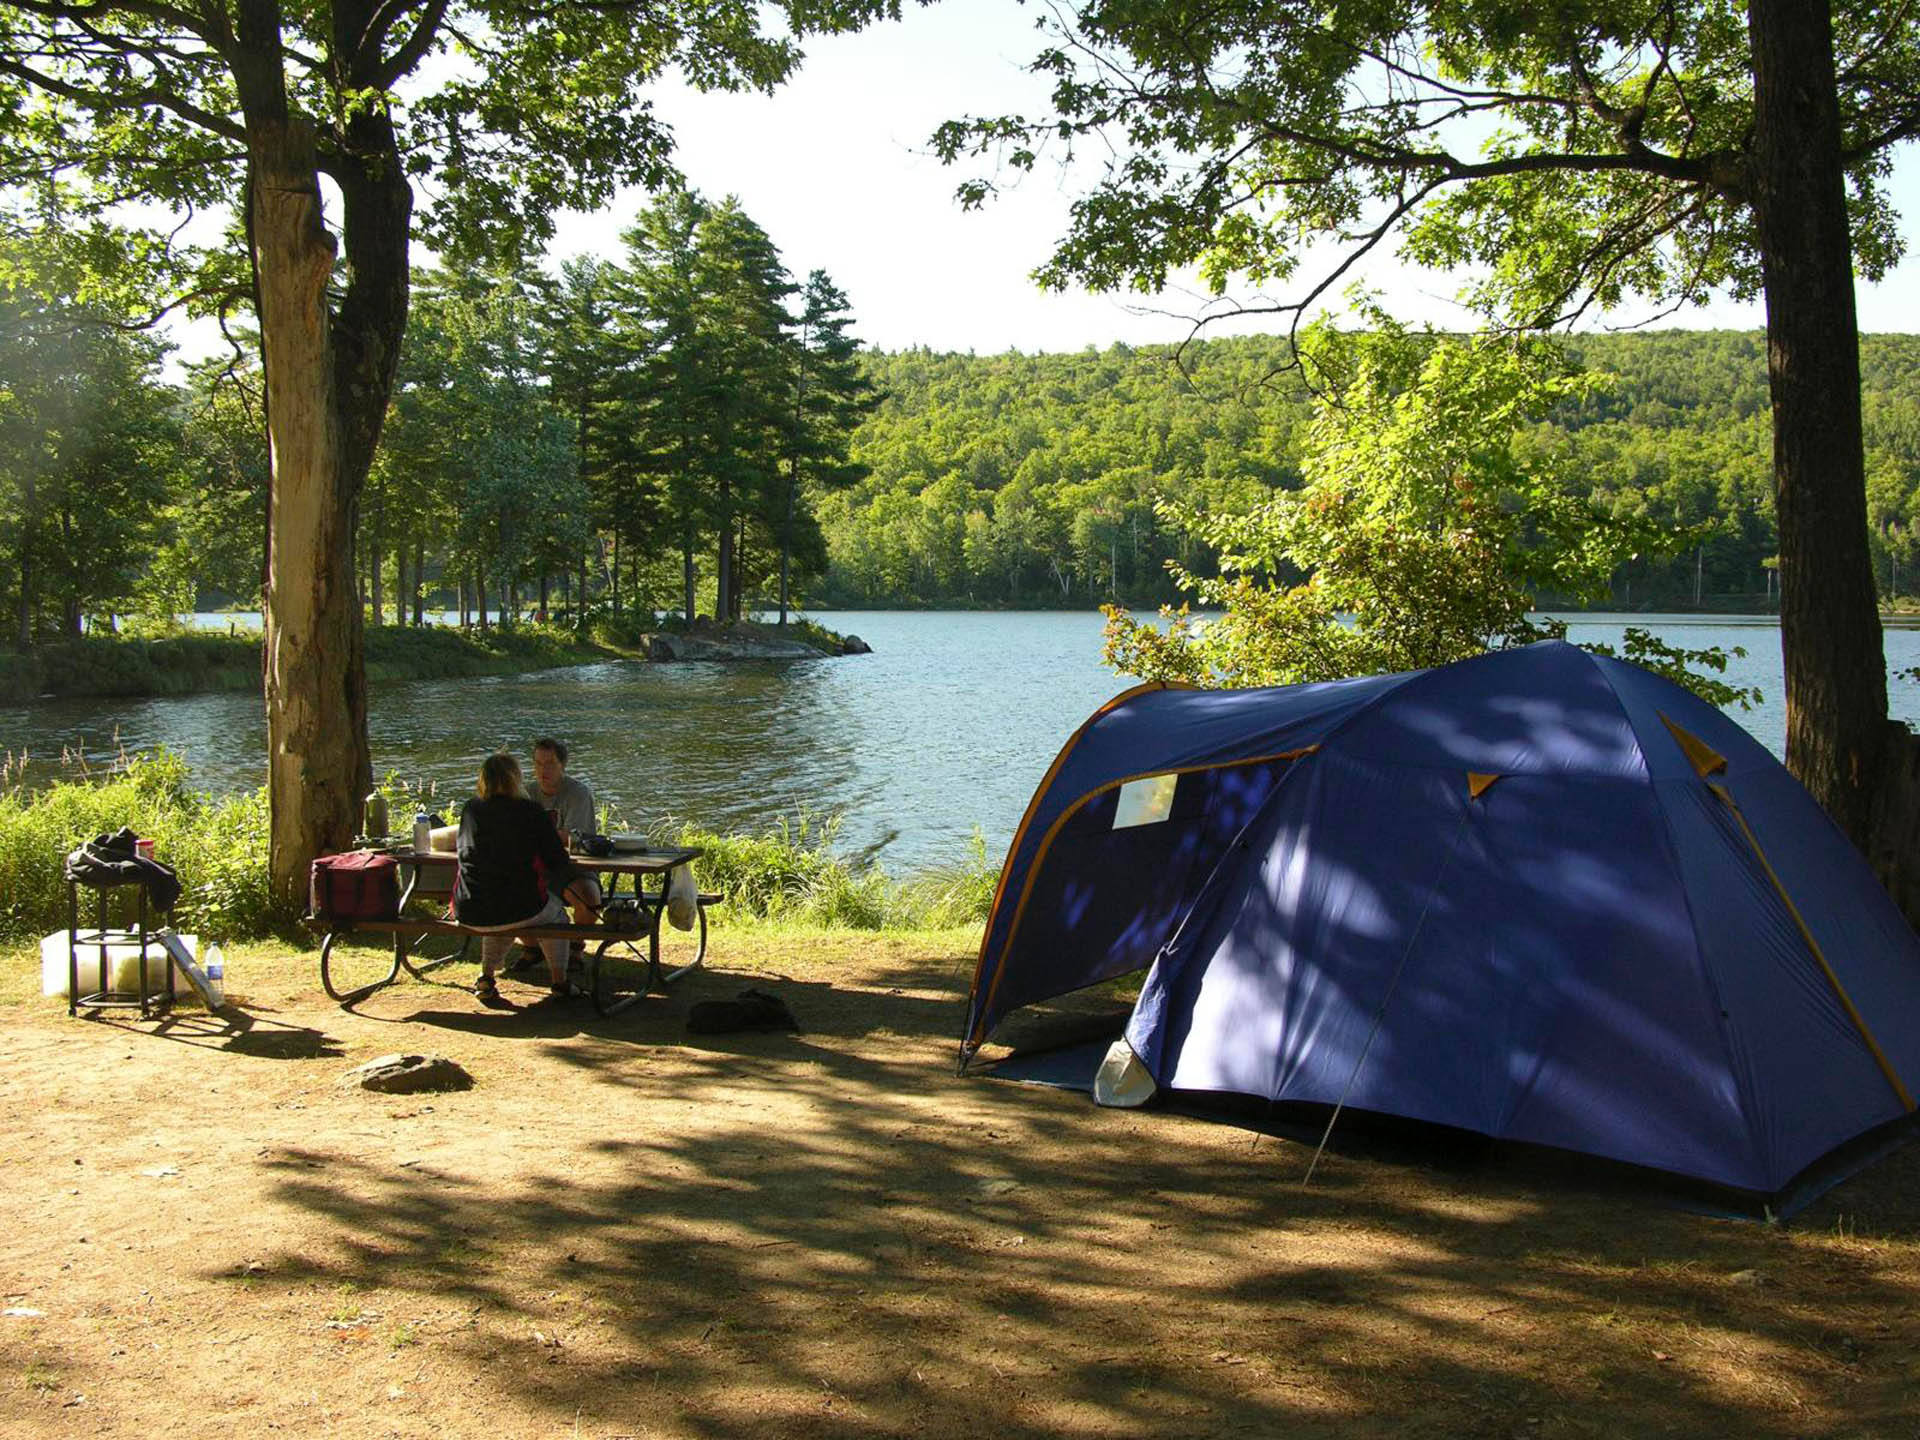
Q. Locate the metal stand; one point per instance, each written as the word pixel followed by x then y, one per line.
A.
pixel 100 937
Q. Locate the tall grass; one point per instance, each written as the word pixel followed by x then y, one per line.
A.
pixel 792 872
pixel 217 847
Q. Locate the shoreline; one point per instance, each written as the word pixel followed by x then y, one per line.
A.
pixel 198 662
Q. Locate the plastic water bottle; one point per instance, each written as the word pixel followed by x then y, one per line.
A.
pixel 422 833
pixel 216 978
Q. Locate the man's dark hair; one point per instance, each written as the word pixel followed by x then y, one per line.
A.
pixel 558 747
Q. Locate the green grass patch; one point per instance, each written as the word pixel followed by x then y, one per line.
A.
pixel 433 652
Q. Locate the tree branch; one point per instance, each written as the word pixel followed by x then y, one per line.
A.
pixel 416 46
pixel 101 102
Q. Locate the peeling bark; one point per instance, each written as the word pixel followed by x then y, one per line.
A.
pixel 312 616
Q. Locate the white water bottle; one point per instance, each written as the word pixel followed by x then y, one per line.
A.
pixel 422 833
pixel 216 978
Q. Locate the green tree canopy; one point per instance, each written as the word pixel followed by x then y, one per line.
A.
pixel 500 111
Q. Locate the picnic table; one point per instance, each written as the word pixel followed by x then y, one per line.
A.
pixel 622 964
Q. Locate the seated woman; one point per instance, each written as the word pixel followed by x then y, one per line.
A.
pixel 514 873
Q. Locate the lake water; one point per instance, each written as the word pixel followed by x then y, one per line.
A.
pixel 948 726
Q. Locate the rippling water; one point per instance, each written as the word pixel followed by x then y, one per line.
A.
pixel 948 726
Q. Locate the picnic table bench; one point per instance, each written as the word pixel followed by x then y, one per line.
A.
pixel 622 963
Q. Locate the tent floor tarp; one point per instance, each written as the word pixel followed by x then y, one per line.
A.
pixel 1394 1140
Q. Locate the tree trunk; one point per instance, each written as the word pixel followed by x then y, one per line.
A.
pixel 328 379
pixel 419 581
pixel 1836 679
pixel 400 582
pixel 723 563
pixel 24 632
pixel 686 574
pixel 480 595
pixel 786 537
pixel 376 563
pixel 316 765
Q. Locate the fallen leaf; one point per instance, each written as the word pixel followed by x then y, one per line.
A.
pixel 1661 1355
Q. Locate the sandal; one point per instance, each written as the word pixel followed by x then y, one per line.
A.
pixel 488 993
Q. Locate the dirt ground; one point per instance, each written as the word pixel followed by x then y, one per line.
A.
pixel 624 1230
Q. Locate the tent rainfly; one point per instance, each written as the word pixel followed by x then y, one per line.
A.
pixel 1540 894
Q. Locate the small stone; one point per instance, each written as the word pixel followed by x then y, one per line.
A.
pixel 406 1074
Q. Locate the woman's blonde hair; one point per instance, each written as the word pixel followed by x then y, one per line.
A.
pixel 500 775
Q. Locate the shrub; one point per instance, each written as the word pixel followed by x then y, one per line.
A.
pixel 218 847
pixel 22 677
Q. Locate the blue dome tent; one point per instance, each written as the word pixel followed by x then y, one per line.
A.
pixel 1541 895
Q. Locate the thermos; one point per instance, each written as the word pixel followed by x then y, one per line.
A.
pixel 376 815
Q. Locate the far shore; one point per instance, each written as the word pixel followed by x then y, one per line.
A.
pixel 204 661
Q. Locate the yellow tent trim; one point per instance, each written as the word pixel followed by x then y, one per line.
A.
pixel 1833 980
pixel 1704 759
pixel 1478 784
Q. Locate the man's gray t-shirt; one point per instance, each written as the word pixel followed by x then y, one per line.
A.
pixel 573 801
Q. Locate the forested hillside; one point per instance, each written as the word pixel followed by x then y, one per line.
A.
pixel 1032 480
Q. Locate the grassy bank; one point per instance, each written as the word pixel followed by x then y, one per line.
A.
pixel 123 666
pixel 792 873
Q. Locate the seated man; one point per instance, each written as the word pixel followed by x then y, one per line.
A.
pixel 569 804
pixel 566 799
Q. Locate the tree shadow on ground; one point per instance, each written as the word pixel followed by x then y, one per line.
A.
pixel 810 1236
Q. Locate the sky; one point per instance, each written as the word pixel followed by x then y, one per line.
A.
pixel 836 167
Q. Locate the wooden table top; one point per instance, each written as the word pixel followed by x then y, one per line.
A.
pixel 624 862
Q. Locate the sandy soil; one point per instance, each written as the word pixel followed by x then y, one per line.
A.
pixel 623 1230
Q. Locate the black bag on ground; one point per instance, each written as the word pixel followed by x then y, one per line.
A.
pixel 356 886
pixel 622 913
pixel 753 1010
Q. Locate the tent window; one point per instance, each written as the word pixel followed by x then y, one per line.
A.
pixel 1145 802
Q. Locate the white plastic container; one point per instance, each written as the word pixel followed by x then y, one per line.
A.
pixel 122 968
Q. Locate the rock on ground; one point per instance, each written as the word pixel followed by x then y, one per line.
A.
pixel 406 1074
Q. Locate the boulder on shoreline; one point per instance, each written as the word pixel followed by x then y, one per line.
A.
pixel 741 641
